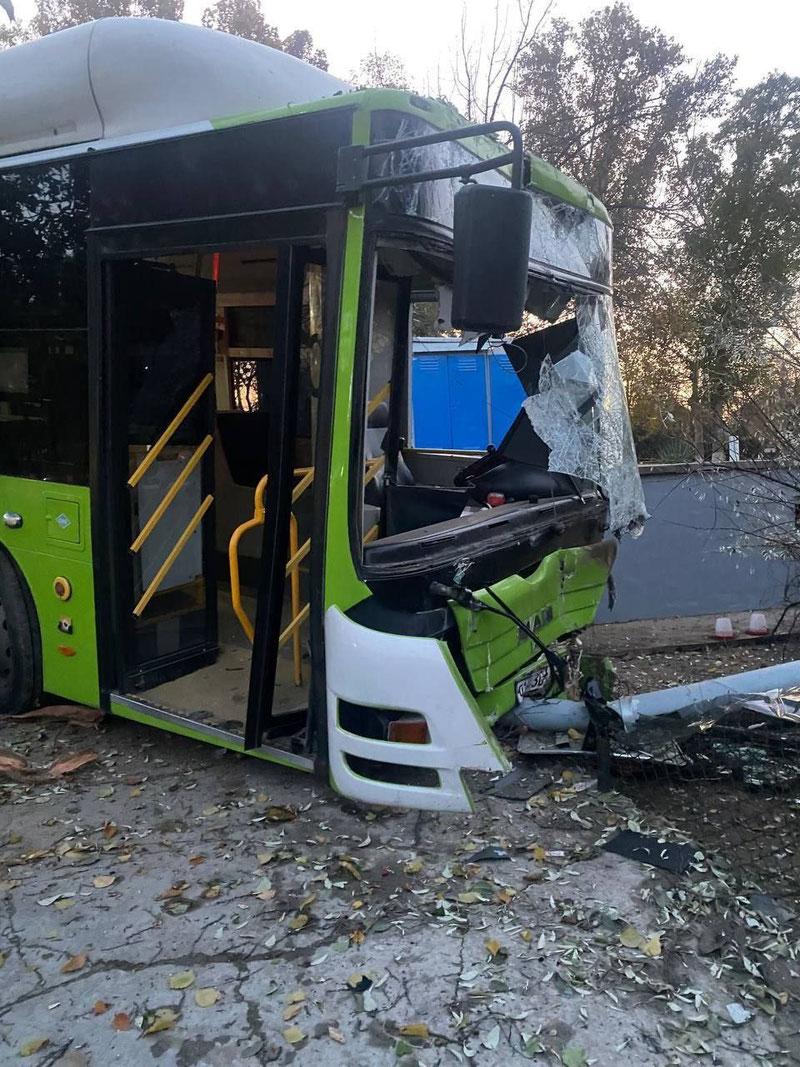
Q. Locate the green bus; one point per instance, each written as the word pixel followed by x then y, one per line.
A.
pixel 213 261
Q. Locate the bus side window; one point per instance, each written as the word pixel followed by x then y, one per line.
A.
pixel 44 430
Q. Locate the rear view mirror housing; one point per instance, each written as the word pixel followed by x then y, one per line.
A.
pixel 491 242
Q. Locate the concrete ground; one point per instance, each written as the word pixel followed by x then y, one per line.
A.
pixel 176 905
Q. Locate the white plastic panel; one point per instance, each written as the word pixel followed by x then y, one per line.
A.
pixel 45 94
pixel 383 670
pixel 119 77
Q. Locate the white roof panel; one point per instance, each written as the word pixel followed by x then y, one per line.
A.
pixel 120 77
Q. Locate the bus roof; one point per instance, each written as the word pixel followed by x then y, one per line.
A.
pixel 128 80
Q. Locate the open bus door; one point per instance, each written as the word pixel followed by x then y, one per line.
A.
pixel 187 643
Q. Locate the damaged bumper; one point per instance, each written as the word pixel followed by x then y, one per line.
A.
pixel 383 671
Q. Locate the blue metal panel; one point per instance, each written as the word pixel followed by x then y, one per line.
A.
pixel 469 421
pixel 506 394
pixel 430 390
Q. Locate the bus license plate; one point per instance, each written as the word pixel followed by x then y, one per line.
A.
pixel 533 685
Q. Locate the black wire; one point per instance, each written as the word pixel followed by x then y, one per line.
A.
pixel 556 663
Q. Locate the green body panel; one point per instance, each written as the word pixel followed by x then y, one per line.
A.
pixel 343 587
pixel 560 597
pixel 44 550
pixel 443 116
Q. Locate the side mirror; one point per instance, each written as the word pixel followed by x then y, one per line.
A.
pixel 491 241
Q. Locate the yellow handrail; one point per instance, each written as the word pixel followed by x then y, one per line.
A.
pixel 158 447
pixel 297 553
pixel 171 493
pixel 161 573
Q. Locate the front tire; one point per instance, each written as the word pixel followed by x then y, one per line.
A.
pixel 20 644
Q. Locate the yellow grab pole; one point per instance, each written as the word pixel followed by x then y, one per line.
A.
pixel 161 573
pixel 294 587
pixel 171 493
pixel 379 398
pixel 294 625
pixel 233 556
pixel 157 448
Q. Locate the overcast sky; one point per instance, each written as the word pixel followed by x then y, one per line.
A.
pixel 764 34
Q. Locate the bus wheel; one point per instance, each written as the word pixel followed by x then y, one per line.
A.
pixel 20 648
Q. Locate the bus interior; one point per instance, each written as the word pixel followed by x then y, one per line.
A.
pixel 196 333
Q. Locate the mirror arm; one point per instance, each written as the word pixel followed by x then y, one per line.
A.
pixel 353 166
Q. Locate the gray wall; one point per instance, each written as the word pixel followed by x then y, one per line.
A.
pixel 678 566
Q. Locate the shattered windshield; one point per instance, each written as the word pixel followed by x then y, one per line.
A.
pixel 574 398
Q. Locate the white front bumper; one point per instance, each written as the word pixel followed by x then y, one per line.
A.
pixel 414 674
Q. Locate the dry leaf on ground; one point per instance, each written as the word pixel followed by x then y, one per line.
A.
pixel 74 963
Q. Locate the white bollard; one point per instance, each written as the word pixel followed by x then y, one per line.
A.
pixel 723 629
pixel 758 624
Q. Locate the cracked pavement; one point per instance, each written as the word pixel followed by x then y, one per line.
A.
pixel 317 930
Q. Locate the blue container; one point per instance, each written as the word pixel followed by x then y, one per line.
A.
pixel 461 399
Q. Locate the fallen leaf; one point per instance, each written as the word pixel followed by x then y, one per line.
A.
pixel 492 1039
pixel 121 1022
pixel 295 998
pixel 10 883
pixel 212 892
pixel 280 813
pixel 308 902
pixel 62 905
pixel 103 881
pixel 207 997
pixel 74 963
pixel 100 1007
pixel 526 935
pixel 539 854
pixel 414 1030
pixel 290 1012
pixel 73 713
pixel 105 792
pixel 195 860
pixel 109 830
pixel 358 937
pixel 359 982
pixel 298 922
pixel 336 1035
pixel 414 867
pixel 652 947
pixel 469 898
pixel 2 958
pixel 265 857
pixel 173 891
pixel 574 1057
pixel 631 938
pixel 495 948
pixel 293 1035
pixel 181 980
pixel 30 1048
pixel 160 1019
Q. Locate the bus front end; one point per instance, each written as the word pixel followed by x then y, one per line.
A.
pixel 458 581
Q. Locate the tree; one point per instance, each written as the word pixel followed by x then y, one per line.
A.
pixel 301 44
pixel 485 69
pixel 380 70
pixel 614 103
pixel 243 18
pixel 246 18
pixel 53 15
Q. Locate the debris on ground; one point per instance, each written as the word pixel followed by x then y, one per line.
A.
pixel 651 850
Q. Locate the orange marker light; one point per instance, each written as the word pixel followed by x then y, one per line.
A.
pixel 411 731
pixel 62 588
